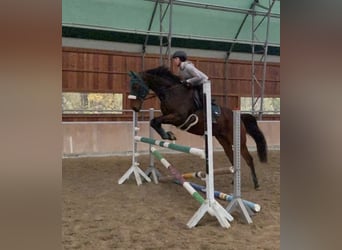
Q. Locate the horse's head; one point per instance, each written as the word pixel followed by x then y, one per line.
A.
pixel 138 91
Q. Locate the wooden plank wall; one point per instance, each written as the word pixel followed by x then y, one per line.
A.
pixel 91 70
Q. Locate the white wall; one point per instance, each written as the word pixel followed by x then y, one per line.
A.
pixel 115 138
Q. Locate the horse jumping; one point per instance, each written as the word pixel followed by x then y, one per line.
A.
pixel 178 109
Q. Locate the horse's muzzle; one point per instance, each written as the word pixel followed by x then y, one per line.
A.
pixel 136 109
pixel 136 104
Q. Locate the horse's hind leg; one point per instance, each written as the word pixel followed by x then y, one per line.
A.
pixel 249 160
pixel 227 146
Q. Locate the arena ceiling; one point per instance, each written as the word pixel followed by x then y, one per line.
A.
pixel 222 21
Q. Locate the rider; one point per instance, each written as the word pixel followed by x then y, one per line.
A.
pixel 190 75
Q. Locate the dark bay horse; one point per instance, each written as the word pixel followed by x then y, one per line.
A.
pixel 178 108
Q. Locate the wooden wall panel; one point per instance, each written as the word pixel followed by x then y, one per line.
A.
pixel 271 88
pixel 118 64
pixel 244 71
pixel 244 88
pixel 133 63
pixel 273 73
pixel 72 58
pixel 65 81
pixel 226 100
pixel 151 62
pixel 91 70
pixel 218 86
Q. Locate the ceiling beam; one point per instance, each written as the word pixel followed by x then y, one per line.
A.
pixel 217 7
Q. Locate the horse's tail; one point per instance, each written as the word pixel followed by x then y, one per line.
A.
pixel 253 130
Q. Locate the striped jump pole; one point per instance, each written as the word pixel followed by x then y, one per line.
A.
pixel 201 175
pixel 178 176
pixel 177 147
pixel 255 207
pixel 198 174
pixel 220 195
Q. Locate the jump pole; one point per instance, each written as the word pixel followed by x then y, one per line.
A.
pixel 210 205
pixel 135 165
pixel 176 174
pixel 219 195
pixel 237 203
pixel 177 147
pixel 255 207
pixel 201 175
pixel 198 174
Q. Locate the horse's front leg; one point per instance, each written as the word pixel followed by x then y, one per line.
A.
pixel 157 122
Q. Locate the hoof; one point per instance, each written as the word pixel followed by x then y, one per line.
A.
pixel 257 188
pixel 171 136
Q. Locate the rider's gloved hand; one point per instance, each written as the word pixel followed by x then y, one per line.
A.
pixel 186 83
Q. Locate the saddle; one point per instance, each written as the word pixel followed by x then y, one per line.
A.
pixel 215 109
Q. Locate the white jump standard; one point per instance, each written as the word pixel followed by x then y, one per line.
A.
pixel 135 165
pixel 210 205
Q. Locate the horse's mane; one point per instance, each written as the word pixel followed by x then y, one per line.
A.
pixel 164 72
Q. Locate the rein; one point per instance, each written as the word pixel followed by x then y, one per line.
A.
pixel 150 96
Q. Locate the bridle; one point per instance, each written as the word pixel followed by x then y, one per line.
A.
pixel 142 92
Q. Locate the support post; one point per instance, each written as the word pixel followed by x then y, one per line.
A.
pixel 237 203
pixel 152 169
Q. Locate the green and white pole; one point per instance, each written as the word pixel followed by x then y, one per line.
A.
pixel 178 176
pixel 177 147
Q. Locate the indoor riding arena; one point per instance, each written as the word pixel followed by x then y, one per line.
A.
pixel 117 194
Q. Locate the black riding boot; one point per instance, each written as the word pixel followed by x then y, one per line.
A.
pixel 215 109
pixel 198 99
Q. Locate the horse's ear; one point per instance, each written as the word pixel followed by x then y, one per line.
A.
pixel 132 74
